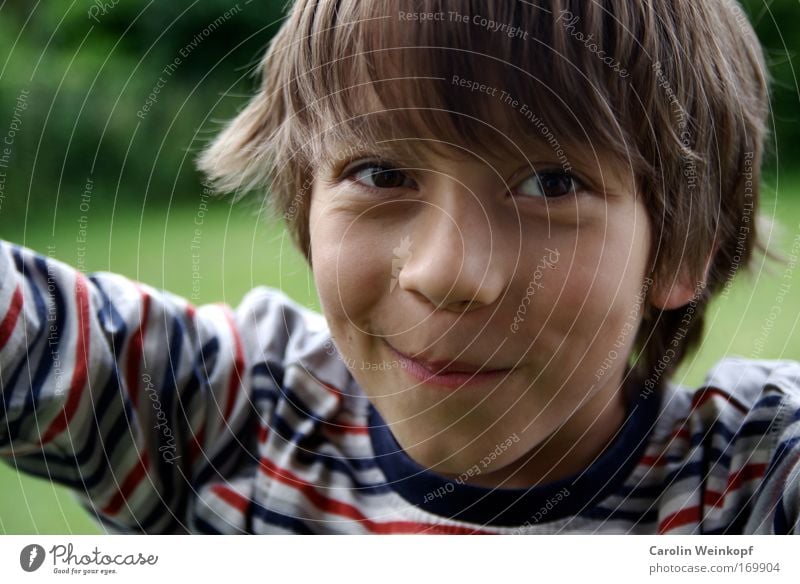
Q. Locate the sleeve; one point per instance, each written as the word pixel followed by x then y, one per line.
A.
pixel 777 504
pixel 128 395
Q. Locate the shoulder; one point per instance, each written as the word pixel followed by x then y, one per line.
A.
pixel 272 307
pixel 747 379
pixel 276 329
pixel 733 442
pixel 737 390
pixel 769 392
pixel 273 324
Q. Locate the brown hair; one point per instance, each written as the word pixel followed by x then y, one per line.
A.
pixel 675 89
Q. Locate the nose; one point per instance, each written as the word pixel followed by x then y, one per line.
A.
pixel 455 260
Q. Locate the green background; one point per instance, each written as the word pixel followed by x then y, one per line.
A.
pixel 86 80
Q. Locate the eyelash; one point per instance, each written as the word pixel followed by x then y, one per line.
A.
pixel 348 174
pixel 384 166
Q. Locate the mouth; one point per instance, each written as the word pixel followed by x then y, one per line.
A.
pixel 447 373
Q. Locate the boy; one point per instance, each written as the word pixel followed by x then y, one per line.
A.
pixel 515 215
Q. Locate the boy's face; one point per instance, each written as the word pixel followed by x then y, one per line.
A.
pixel 480 264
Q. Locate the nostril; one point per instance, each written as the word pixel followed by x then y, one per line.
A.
pixel 464 305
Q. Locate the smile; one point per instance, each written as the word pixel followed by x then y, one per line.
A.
pixel 447 373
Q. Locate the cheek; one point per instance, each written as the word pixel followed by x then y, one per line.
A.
pixel 587 299
pixel 352 266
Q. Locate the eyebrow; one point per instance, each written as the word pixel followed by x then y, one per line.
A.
pixel 407 156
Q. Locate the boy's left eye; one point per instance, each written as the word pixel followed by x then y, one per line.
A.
pixel 549 184
pixel 380 176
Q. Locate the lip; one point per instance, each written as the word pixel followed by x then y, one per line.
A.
pixel 450 374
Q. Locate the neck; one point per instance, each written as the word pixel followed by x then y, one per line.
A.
pixel 571 448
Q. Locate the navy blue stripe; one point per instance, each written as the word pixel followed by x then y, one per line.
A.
pixel 208 358
pixel 110 319
pixel 12 385
pixel 272 370
pixel 298 405
pixel 735 527
pixel 755 428
pixel 198 386
pixel 344 465
pixel 307 453
pixel 66 467
pixel 167 399
pixel 16 254
pixel 640 492
pixel 271 517
pixel 780 523
pixel 204 527
pixel 769 402
pixel 308 446
pixel 157 514
pixel 168 495
pixel 117 434
pixel 601 513
pixel 211 469
pixel 41 314
pixel 55 329
pixel 781 452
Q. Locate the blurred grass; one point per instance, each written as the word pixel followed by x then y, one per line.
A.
pixel 240 250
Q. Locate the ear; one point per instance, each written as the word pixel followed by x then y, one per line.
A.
pixel 674 294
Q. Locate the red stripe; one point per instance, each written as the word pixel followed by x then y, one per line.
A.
pixel 128 485
pixel 80 370
pixel 657 460
pixel 712 498
pixel 748 472
pixel 702 396
pixel 679 519
pixel 346 510
pixel 238 366
pixel 10 319
pixel 682 432
pixel 343 428
pixel 231 497
pixel 135 351
pixel 334 390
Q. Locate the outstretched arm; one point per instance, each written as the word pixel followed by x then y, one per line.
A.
pixel 130 396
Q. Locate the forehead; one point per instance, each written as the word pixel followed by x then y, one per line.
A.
pixel 416 132
pixel 414 119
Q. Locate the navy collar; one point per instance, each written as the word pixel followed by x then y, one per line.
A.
pixel 518 506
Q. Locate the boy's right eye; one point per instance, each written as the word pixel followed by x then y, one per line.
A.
pixel 379 176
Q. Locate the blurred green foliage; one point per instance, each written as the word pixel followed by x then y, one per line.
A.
pixel 89 66
pixel 775 22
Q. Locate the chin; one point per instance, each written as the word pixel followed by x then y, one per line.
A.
pixel 443 462
pixel 442 455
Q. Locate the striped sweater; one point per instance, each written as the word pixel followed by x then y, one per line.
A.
pixel 164 417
